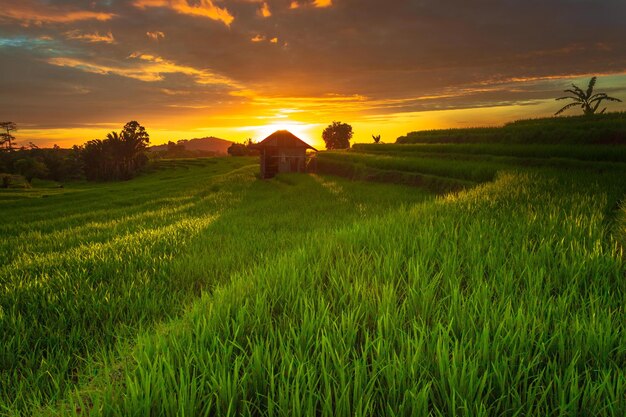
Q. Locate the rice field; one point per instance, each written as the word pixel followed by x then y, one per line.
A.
pixel 600 129
pixel 197 289
pixel 526 152
pixel 90 266
pixel 444 167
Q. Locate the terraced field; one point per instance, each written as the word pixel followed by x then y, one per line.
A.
pixel 198 289
pixel 88 267
pixel 444 167
pixel 601 129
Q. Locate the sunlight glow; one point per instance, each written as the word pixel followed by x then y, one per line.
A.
pixel 302 130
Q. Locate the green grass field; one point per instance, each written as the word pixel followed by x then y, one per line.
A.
pixel 197 289
pixel 443 167
pixel 600 129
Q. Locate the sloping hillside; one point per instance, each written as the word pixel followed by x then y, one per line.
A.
pixel 600 129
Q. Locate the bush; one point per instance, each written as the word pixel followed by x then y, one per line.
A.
pixel 13 181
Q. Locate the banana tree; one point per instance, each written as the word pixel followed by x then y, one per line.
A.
pixel 587 100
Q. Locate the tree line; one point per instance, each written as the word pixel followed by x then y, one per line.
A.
pixel 117 157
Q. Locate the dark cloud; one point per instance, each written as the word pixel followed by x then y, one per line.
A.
pixel 80 62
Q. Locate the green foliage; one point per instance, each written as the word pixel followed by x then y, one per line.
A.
pixel 587 100
pixel 13 181
pixel 337 135
pixel 243 149
pixel 608 129
pixel 31 168
pixel 174 150
pixel 54 164
pixel 119 156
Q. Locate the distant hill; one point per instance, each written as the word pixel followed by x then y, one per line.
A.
pixel 210 144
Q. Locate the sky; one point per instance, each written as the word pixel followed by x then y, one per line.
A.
pixel 75 70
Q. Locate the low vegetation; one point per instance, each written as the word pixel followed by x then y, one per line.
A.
pixel 89 266
pixel 197 289
pixel 607 129
pixel 480 151
pixel 503 300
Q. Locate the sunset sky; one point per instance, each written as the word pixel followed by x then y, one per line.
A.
pixel 74 70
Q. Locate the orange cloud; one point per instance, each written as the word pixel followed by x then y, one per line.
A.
pixel 155 36
pixel 265 10
pixel 90 37
pixel 199 8
pixel 37 14
pixel 261 38
pixel 553 77
pixel 294 5
pixel 148 68
pixel 323 3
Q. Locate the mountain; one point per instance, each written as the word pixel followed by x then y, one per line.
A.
pixel 210 144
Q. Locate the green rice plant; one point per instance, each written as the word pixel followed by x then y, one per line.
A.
pixel 92 266
pixel 359 171
pixel 599 129
pixel 475 171
pixel 505 299
pixel 481 150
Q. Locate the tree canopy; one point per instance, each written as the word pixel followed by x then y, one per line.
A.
pixel 337 135
pixel 119 156
pixel 243 149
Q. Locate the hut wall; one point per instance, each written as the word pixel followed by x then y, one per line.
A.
pixel 291 159
pixel 269 162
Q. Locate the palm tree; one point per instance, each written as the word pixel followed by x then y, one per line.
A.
pixel 588 101
pixel 135 139
pixel 119 156
pixel 116 154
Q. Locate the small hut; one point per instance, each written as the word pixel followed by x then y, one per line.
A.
pixel 282 151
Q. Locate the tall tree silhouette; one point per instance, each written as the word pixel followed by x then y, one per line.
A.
pixel 587 100
pixel 135 140
pixel 117 157
pixel 337 135
pixel 6 137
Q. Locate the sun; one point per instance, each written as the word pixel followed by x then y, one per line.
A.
pixel 302 130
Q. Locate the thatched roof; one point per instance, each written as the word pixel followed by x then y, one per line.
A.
pixel 283 139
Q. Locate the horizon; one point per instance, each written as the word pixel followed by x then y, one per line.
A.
pixel 238 69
